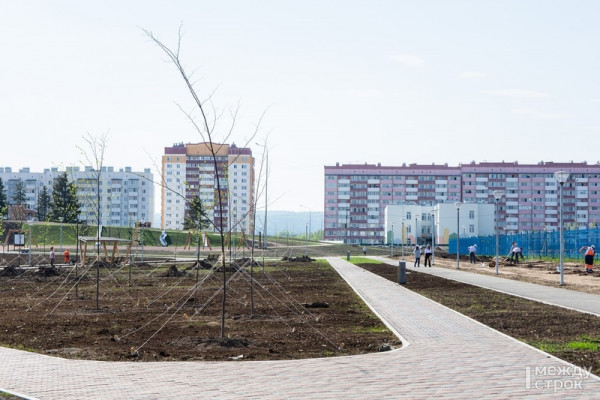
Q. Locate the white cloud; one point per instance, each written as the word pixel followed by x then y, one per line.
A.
pixel 595 100
pixel 409 60
pixel 538 114
pixel 523 93
pixel 472 75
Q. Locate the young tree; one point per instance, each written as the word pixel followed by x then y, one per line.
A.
pixel 206 127
pixel 3 202
pixel 43 205
pixel 19 196
pixel 64 200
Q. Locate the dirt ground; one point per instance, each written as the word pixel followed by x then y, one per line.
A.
pixel 301 310
pixel 567 334
pixel 528 270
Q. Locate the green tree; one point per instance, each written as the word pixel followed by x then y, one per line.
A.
pixel 43 205
pixel 64 200
pixel 3 202
pixel 197 215
pixel 19 196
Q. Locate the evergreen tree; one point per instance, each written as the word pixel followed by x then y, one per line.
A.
pixel 197 215
pixel 64 200
pixel 19 196
pixel 3 202
pixel 43 205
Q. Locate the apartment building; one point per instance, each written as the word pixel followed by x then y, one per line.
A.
pixel 189 170
pixel 126 196
pixel 356 195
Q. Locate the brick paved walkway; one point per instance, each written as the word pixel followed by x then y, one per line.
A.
pixel 446 356
pixel 559 296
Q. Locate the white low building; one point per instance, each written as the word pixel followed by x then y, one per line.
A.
pixel 412 223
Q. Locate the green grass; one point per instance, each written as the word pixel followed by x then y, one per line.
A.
pixel 363 260
pixel 371 329
pixel 582 344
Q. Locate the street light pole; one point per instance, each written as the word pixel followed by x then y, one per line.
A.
pixel 266 194
pixel 432 235
pixel 30 219
pixel 402 242
pixel 60 239
pixel 309 218
pixel 497 195
pixel 306 241
pixel 416 229
pixel 266 153
pixel 392 246
pixel 561 177
pixel 458 204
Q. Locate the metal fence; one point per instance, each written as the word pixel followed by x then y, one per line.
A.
pixel 533 244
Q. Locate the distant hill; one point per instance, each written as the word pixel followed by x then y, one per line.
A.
pixel 293 222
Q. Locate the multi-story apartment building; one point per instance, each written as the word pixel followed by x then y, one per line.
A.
pixel 356 195
pixel 126 196
pixel 188 170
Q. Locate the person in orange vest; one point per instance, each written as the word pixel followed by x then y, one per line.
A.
pixel 590 252
pixel 66 256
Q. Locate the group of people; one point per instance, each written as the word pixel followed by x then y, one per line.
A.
pixel 66 256
pixel 516 252
pixel 417 252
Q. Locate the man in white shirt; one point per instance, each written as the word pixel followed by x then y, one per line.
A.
pixel 472 252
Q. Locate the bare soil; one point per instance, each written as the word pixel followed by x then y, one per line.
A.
pixel 532 270
pixel 301 310
pixel 567 334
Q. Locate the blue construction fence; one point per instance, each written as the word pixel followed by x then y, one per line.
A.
pixel 533 244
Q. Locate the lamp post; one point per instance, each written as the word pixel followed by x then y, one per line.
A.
pixel 402 241
pixel 392 246
pixel 497 195
pixel 561 177
pixel 29 221
pixel 416 229
pixel 61 219
pixel 309 218
pixel 266 190
pixel 458 204
pixel 142 238
pixel 432 235
pixel 306 242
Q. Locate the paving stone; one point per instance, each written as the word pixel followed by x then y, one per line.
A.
pixel 445 356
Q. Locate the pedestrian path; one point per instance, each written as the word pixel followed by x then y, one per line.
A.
pixel 559 296
pixel 446 356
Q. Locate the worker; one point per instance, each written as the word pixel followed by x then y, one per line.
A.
pixel 589 253
pixel 472 253
pixel 66 256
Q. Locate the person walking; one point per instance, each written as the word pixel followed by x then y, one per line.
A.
pixel 67 256
pixel 52 257
pixel 472 253
pixel 417 253
pixel 364 251
pixel 589 253
pixel 428 255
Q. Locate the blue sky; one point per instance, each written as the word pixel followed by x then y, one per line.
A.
pixel 340 81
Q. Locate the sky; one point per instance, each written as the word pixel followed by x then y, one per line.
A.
pixel 317 82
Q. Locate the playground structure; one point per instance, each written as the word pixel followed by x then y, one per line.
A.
pixel 82 242
pixel 205 241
